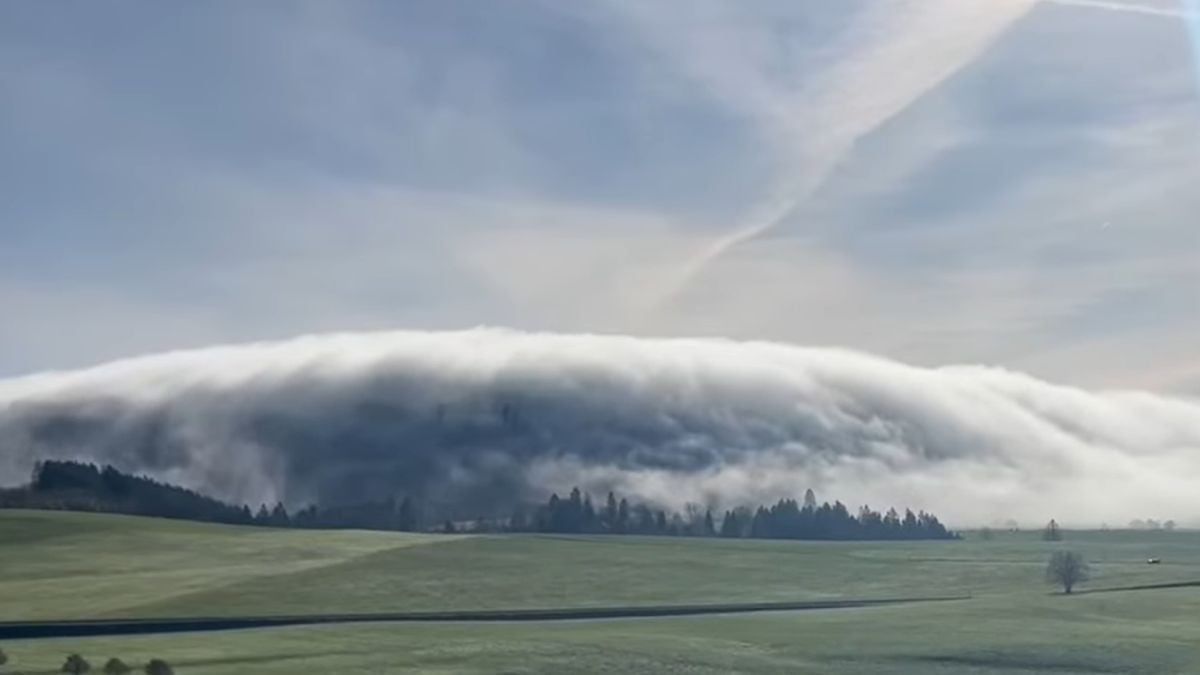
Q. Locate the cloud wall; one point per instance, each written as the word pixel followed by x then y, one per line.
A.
pixel 474 420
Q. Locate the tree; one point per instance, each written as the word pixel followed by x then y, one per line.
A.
pixel 76 664
pixel 622 524
pixel 587 517
pixel 729 525
pixel 279 516
pixel 810 499
pixel 1066 569
pixel 986 534
pixel 693 520
pixel 610 513
pixel 158 667
pixel 1052 533
pixel 709 529
pixel 3 657
pixel 116 666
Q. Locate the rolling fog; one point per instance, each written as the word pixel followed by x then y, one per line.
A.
pixel 482 418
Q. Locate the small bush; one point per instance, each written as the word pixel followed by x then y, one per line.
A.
pixel 158 667
pixel 116 666
pixel 76 664
pixel 3 657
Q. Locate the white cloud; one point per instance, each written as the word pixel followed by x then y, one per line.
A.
pixel 892 55
pixel 672 420
pixel 1126 7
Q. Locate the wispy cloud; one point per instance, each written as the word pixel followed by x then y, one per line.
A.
pixel 891 55
pixel 1127 7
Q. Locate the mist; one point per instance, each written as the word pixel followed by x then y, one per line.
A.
pixel 477 420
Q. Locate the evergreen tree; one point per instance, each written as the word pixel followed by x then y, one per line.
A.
pixel 622 524
pixel 729 525
pixel 660 522
pixel 279 516
pixel 810 499
pixel 610 513
pixel 587 520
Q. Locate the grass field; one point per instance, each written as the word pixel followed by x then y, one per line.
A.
pixel 58 565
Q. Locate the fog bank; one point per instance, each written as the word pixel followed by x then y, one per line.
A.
pixel 481 418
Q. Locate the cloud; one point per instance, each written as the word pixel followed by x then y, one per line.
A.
pixel 893 54
pixel 1127 7
pixel 476 419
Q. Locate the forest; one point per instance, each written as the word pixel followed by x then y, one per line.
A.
pixel 79 486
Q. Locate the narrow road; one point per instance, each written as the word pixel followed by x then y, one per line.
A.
pixel 1140 587
pixel 25 630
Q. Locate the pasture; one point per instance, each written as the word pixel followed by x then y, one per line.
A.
pixel 63 566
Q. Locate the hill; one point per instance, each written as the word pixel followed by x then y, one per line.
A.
pixel 81 565
pixel 73 565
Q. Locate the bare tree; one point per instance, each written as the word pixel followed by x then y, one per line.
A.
pixel 1052 533
pixel 1066 569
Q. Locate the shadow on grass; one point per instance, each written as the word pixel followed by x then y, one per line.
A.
pixel 1138 587
pixel 51 629
pixel 1021 661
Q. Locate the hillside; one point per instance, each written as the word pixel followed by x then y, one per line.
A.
pixel 68 565
pixel 62 565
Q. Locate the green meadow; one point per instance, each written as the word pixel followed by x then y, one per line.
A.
pixel 74 566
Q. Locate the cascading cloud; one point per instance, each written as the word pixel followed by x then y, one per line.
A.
pixel 476 420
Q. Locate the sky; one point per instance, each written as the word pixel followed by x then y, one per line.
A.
pixel 998 182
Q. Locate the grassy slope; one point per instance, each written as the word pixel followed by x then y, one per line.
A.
pixel 82 565
pixel 78 565
pixel 60 565
pixel 525 572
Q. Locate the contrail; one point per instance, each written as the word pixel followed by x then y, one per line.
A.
pixel 1128 8
pixel 895 58
pixel 898 53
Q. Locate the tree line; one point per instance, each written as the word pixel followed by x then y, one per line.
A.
pixel 80 486
pixel 786 519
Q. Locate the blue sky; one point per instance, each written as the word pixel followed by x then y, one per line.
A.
pixel 1006 182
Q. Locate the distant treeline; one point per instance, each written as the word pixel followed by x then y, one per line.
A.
pixel 78 486
pixel 786 519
